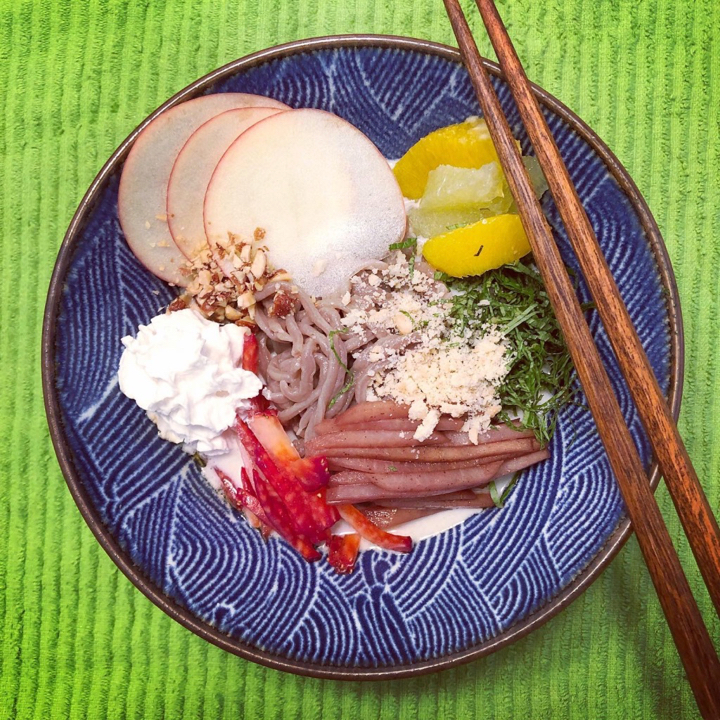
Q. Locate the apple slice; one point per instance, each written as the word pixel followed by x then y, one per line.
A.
pixel 325 196
pixel 142 200
pixel 193 169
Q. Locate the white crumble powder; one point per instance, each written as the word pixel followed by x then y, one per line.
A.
pixel 439 372
pixel 436 380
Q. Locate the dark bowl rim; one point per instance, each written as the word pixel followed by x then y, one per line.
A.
pixel 92 517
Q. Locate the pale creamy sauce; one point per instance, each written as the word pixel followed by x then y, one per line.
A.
pixel 230 462
pixel 416 529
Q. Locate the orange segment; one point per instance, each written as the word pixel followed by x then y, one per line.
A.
pixel 474 249
pixel 465 145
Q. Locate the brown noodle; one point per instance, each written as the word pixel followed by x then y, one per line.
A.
pixel 305 357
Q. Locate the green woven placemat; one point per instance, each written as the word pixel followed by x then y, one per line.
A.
pixel 76 639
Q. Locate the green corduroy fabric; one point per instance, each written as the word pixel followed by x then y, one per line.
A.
pixel 77 640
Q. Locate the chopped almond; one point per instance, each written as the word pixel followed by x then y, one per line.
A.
pixel 259 264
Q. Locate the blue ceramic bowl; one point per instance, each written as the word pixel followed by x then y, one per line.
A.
pixel 458 595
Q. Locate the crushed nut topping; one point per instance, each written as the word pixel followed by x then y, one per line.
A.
pixel 179 303
pixel 224 280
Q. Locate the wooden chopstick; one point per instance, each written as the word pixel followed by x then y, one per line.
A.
pixel 691 504
pixel 681 611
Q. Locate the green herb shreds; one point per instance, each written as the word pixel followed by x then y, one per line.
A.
pixel 349 374
pixel 513 298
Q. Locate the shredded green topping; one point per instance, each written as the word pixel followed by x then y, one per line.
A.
pixel 404 244
pixel 199 459
pixel 499 499
pixel 331 338
pixel 513 299
pixel 407 244
pixel 348 384
pixel 349 374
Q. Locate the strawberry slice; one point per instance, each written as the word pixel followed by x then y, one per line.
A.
pixel 343 552
pixel 312 472
pixel 248 504
pixel 310 514
pixel 371 532
pixel 272 436
pixel 324 514
pixel 240 497
pixel 279 518
pixel 252 518
pixel 249 361
pixel 251 353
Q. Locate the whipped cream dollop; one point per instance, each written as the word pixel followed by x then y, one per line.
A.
pixel 183 371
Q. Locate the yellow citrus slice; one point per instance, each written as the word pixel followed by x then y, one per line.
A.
pixel 459 196
pixel 474 249
pixel 450 187
pixel 427 225
pixel 465 145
